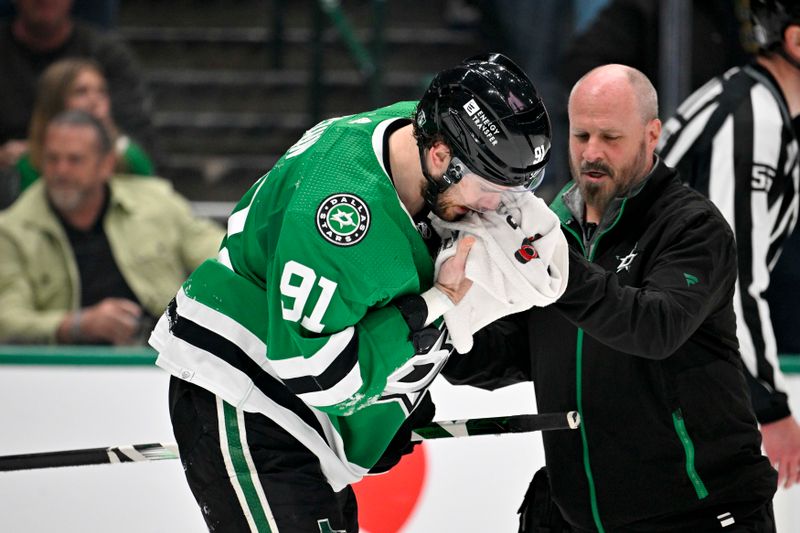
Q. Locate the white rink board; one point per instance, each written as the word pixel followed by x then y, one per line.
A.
pixel 473 485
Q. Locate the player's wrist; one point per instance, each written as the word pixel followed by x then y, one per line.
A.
pixel 421 310
pixel 438 303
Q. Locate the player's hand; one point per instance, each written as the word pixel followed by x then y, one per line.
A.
pixel 782 446
pixel 114 320
pixel 452 279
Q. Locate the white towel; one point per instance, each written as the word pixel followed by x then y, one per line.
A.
pixel 505 283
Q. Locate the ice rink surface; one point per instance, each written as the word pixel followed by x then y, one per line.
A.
pixel 470 485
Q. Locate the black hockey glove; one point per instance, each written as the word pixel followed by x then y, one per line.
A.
pixel 401 443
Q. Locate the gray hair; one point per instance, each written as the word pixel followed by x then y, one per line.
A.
pixel 646 94
pixel 75 117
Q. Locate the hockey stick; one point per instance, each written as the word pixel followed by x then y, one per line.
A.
pixel 89 456
pixel 497 425
pixel 160 451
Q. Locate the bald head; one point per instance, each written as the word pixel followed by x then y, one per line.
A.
pixel 621 81
pixel 613 131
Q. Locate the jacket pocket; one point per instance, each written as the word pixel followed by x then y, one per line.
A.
pixel 50 282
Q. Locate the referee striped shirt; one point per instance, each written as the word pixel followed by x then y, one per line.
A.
pixel 733 141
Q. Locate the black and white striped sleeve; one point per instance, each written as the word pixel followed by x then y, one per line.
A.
pixel 730 141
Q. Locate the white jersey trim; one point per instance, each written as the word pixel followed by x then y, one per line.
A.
pixel 299 366
pixel 237 220
pixel 227 327
pixel 377 148
pixel 192 364
pixel 340 393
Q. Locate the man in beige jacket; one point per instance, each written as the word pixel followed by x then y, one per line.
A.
pixel 87 257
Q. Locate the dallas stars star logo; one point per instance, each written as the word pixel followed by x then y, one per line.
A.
pixel 625 262
pixel 343 219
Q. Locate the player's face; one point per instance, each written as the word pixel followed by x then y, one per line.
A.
pixel 73 168
pixel 471 193
pixel 610 146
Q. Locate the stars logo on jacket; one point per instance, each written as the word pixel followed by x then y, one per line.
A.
pixel 343 219
pixel 625 262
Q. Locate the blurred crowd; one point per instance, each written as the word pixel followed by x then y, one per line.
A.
pixel 93 244
pixel 65 54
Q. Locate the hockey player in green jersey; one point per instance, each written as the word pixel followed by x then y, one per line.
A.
pixel 301 356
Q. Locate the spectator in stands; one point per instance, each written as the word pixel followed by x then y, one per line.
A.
pixel 734 140
pixel 642 343
pixel 87 257
pixel 42 33
pixel 77 84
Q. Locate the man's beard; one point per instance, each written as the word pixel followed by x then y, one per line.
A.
pixel 66 199
pixel 437 201
pixel 599 195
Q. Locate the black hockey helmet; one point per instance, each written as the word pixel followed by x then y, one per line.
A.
pixel 771 18
pixel 493 119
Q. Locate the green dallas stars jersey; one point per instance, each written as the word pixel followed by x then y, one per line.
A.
pixel 293 319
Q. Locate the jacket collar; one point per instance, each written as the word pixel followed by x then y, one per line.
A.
pixel 569 205
pixel 35 209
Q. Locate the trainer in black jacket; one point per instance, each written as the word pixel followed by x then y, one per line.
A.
pixel 643 342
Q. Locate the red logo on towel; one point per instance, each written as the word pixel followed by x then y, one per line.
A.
pixel 526 250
